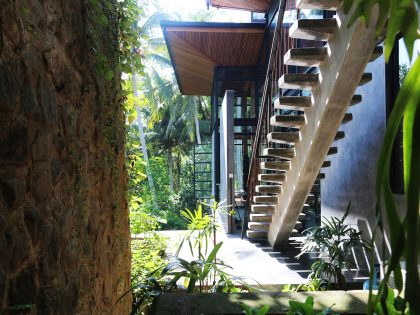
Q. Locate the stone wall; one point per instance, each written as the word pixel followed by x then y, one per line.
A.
pixel 64 232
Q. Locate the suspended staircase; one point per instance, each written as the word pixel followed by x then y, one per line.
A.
pixel 287 174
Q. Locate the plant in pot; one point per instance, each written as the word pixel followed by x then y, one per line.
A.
pixel 334 240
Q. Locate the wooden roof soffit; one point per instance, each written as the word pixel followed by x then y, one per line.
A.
pixel 248 5
pixel 197 48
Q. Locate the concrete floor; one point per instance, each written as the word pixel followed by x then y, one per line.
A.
pixel 256 262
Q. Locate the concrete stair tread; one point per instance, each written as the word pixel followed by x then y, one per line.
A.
pixel 263 208
pixel 332 150
pixel 299 81
pixel 267 200
pixel 282 153
pixel 348 117
pixel 258 226
pixel 326 164
pixel 283 137
pixel 293 102
pixel 313 29
pixel 356 99
pixel 256 234
pixel 295 233
pixel 321 176
pixel 310 199
pixel 315 189
pixel 289 121
pixel 319 4
pixel 268 189
pixel 274 178
pixel 275 166
pixel 298 225
pixel 260 217
pixel 377 52
pixel 339 135
pixel 305 57
pixel 366 78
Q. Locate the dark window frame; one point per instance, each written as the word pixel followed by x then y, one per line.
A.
pixel 392 82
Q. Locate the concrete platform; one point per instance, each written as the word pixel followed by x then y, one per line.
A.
pixel 256 262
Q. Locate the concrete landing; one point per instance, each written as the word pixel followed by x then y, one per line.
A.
pixel 256 262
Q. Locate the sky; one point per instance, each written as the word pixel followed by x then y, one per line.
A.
pixel 186 8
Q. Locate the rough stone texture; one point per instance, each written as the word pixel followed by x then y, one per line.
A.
pixel 64 232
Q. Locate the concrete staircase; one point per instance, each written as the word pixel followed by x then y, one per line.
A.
pixel 288 173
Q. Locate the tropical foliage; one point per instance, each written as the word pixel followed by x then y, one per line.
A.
pixel 306 308
pixel 204 273
pixel 334 240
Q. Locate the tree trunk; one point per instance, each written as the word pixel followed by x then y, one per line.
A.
pixel 197 127
pixel 179 170
pixel 64 222
pixel 143 144
pixel 171 177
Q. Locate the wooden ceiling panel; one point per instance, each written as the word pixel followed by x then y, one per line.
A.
pixel 196 50
pixel 238 48
pixel 191 64
pixel 248 5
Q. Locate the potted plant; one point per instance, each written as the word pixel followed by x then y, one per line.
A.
pixel 334 241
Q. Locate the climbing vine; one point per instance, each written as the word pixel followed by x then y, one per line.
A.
pixel 130 35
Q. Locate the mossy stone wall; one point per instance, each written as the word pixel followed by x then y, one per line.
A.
pixel 64 231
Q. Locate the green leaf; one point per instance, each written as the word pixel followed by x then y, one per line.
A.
pixel 109 75
pixel 263 310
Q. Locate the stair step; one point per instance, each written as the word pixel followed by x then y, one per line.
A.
pixel 260 217
pixel 268 200
pixel 282 153
pixel 319 4
pixel 256 234
pixel 258 226
pixel 298 225
pixel 305 57
pixel 356 99
pixel 273 178
pixel 316 189
pixel 299 81
pixel 289 121
pixel 321 176
pixel 283 137
pixel 263 208
pixel 339 135
pixel 268 189
pixel 377 52
pixel 302 216
pixel 332 150
pixel 275 166
pixel 293 102
pixel 310 199
pixel 313 29
pixel 347 118
pixel 295 233
pixel 306 208
pixel 326 164
pixel 366 78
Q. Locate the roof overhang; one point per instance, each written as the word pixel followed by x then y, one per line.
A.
pixel 196 49
pixel 248 5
